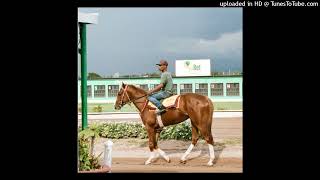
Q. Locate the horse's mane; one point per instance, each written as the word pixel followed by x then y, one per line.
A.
pixel 137 89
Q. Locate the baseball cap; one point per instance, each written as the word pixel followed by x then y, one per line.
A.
pixel 163 62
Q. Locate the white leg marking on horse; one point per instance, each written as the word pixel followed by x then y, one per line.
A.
pixel 211 153
pixel 183 158
pixel 156 154
pixel 163 154
pixel 152 155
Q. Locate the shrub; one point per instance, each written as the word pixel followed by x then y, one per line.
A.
pixel 86 137
pixel 180 131
pixel 97 108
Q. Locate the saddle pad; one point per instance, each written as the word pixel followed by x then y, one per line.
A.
pixel 166 102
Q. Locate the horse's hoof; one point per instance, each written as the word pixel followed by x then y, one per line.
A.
pixel 183 161
pixel 147 162
pixel 210 163
pixel 169 161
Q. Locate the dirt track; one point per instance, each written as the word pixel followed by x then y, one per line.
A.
pixel 129 155
pixel 135 165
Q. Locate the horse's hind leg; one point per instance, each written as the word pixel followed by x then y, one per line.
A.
pixel 205 130
pixel 209 139
pixel 195 137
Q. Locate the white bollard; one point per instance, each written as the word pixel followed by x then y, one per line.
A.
pixel 107 154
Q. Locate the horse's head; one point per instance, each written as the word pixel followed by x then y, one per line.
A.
pixel 122 97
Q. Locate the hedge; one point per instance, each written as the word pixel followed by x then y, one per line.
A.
pixel 181 131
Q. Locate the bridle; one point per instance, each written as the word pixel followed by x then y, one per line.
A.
pixel 121 100
pixel 130 101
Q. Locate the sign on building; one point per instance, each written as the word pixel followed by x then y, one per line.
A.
pixel 194 67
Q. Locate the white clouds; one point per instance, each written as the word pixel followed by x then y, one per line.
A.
pixel 227 45
pixel 145 35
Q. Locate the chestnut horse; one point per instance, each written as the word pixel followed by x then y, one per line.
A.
pixel 197 107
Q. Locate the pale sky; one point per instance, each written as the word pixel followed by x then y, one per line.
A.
pixel 133 40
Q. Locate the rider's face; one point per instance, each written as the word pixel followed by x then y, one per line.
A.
pixel 162 67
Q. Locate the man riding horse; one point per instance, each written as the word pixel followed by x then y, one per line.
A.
pixel 198 108
pixel 163 90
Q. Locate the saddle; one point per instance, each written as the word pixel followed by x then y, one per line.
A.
pixel 170 102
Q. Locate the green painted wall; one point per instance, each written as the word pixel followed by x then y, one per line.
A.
pixel 178 81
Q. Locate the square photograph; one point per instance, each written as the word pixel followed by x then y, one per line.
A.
pixel 160 90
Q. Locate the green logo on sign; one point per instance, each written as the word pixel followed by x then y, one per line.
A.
pixel 196 67
pixel 191 67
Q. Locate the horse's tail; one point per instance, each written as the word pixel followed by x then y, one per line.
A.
pixel 211 110
pixel 211 106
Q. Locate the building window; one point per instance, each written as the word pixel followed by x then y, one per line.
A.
pixel 89 91
pixel 113 90
pixel 174 89
pixel 216 89
pixel 144 87
pixel 99 91
pixel 152 86
pixel 233 89
pixel 185 88
pixel 202 88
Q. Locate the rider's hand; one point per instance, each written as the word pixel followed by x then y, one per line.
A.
pixel 149 93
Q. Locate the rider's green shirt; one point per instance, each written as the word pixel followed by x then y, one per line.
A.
pixel 166 79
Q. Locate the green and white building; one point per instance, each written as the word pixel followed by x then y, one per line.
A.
pixel 218 88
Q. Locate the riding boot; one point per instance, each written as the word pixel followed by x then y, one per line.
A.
pixel 161 110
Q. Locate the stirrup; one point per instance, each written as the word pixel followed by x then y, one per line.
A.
pixel 158 130
pixel 160 111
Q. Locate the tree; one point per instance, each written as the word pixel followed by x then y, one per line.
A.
pixel 93 75
pixel 155 74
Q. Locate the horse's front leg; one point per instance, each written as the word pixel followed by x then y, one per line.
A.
pixel 152 144
pixel 162 153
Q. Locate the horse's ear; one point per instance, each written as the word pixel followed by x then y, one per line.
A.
pixel 123 85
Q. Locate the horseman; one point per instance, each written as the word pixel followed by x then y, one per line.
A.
pixel 163 90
